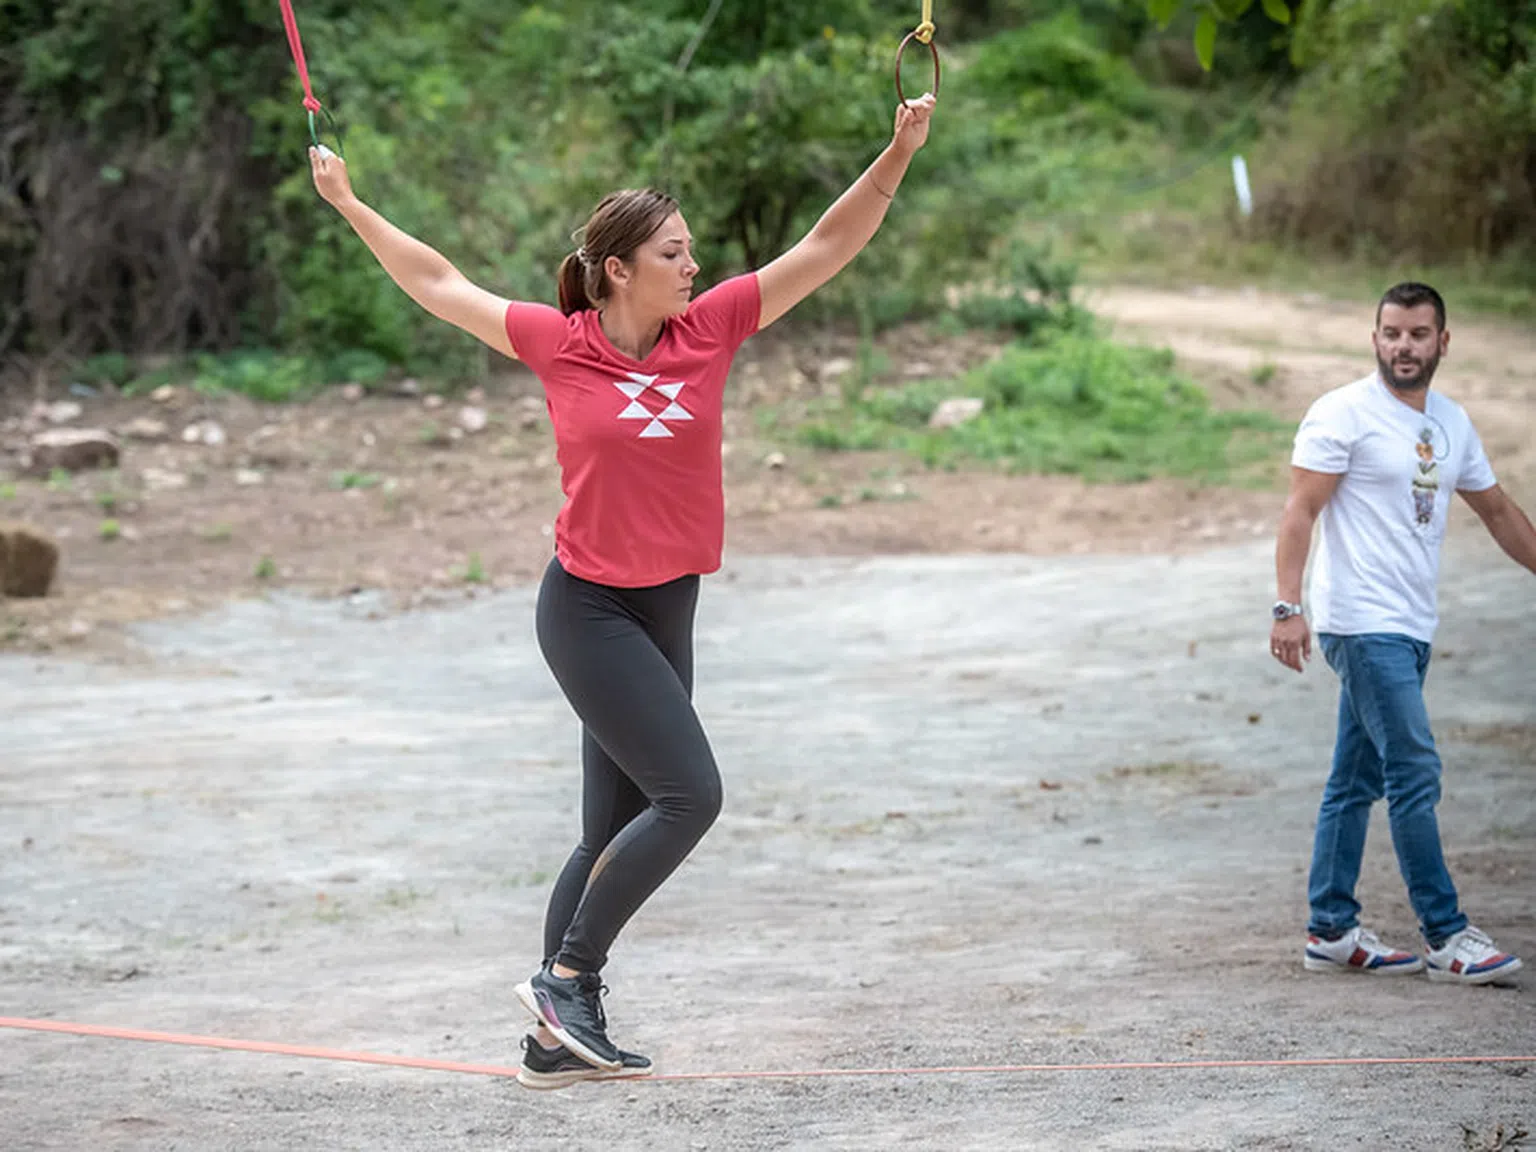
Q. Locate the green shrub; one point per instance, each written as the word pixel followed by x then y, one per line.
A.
pixel 1073 403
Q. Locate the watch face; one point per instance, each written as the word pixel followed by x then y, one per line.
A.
pixel 1283 612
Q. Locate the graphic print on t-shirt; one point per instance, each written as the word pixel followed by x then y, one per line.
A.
pixel 652 402
pixel 1426 477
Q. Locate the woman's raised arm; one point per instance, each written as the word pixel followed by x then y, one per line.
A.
pixel 425 274
pixel 847 226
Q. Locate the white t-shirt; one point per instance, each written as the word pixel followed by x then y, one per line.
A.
pixel 1378 555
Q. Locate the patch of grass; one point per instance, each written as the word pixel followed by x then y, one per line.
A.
pixel 266 568
pixel 107 501
pixel 60 480
pixel 7 491
pixel 262 374
pixel 328 911
pixel 345 481
pixel 109 530
pixel 1073 403
pixel 535 879
pixel 473 571
pixel 218 534
pixel 1263 374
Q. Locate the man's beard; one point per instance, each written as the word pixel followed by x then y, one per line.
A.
pixel 1412 383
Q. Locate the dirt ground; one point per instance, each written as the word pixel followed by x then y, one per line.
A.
pixel 1009 778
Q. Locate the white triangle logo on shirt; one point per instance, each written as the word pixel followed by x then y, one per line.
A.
pixel 656 427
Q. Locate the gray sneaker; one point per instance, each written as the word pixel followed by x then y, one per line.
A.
pixel 572 1008
pixel 560 1067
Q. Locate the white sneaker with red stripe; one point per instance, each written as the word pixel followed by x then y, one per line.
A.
pixel 1469 957
pixel 1359 950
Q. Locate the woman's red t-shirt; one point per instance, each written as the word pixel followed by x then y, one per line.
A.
pixel 638 441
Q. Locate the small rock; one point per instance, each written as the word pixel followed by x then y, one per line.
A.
pixel 352 393
pixel 836 367
pixel 475 395
pixel 163 480
pixel 249 478
pixel 29 560
pixel 408 387
pixel 73 449
pixel 431 402
pixel 955 411
pixel 473 419
pixel 63 412
pixel 143 428
pixel 78 630
pixel 774 460
pixel 163 394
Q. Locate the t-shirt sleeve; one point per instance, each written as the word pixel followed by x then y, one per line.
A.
pixel 536 331
pixel 1476 473
pixel 1324 439
pixel 728 313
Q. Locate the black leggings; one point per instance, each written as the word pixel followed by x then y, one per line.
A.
pixel 650 788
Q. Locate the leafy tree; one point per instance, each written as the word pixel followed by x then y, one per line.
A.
pixel 1210 15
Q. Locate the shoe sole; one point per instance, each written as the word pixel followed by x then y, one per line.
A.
pixel 1492 976
pixel 1311 964
pixel 530 1001
pixel 544 1081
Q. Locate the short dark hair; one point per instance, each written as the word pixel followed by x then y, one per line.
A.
pixel 1412 294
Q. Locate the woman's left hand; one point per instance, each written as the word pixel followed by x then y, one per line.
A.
pixel 912 123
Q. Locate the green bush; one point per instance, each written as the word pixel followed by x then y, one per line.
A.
pixel 1414 132
pixel 1073 403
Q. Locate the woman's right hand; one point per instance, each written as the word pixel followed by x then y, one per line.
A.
pixel 330 173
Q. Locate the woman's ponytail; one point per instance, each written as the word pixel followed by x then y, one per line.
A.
pixel 571 284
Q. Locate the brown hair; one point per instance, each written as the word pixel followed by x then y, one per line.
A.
pixel 622 222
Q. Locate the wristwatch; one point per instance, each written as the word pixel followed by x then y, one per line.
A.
pixel 1284 611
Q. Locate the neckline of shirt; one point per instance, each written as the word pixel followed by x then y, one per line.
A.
pixel 611 349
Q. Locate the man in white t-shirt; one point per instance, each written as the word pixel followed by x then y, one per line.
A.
pixel 1378 460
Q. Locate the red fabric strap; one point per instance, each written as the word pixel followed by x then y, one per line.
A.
pixel 296 46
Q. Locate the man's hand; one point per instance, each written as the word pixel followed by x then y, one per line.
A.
pixel 1290 642
pixel 330 173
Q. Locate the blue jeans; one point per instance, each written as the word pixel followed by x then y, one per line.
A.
pixel 1384 748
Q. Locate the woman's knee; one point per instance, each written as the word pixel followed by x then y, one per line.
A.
pixel 697 804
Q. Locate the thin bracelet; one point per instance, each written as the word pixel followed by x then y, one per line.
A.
pixel 879 189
